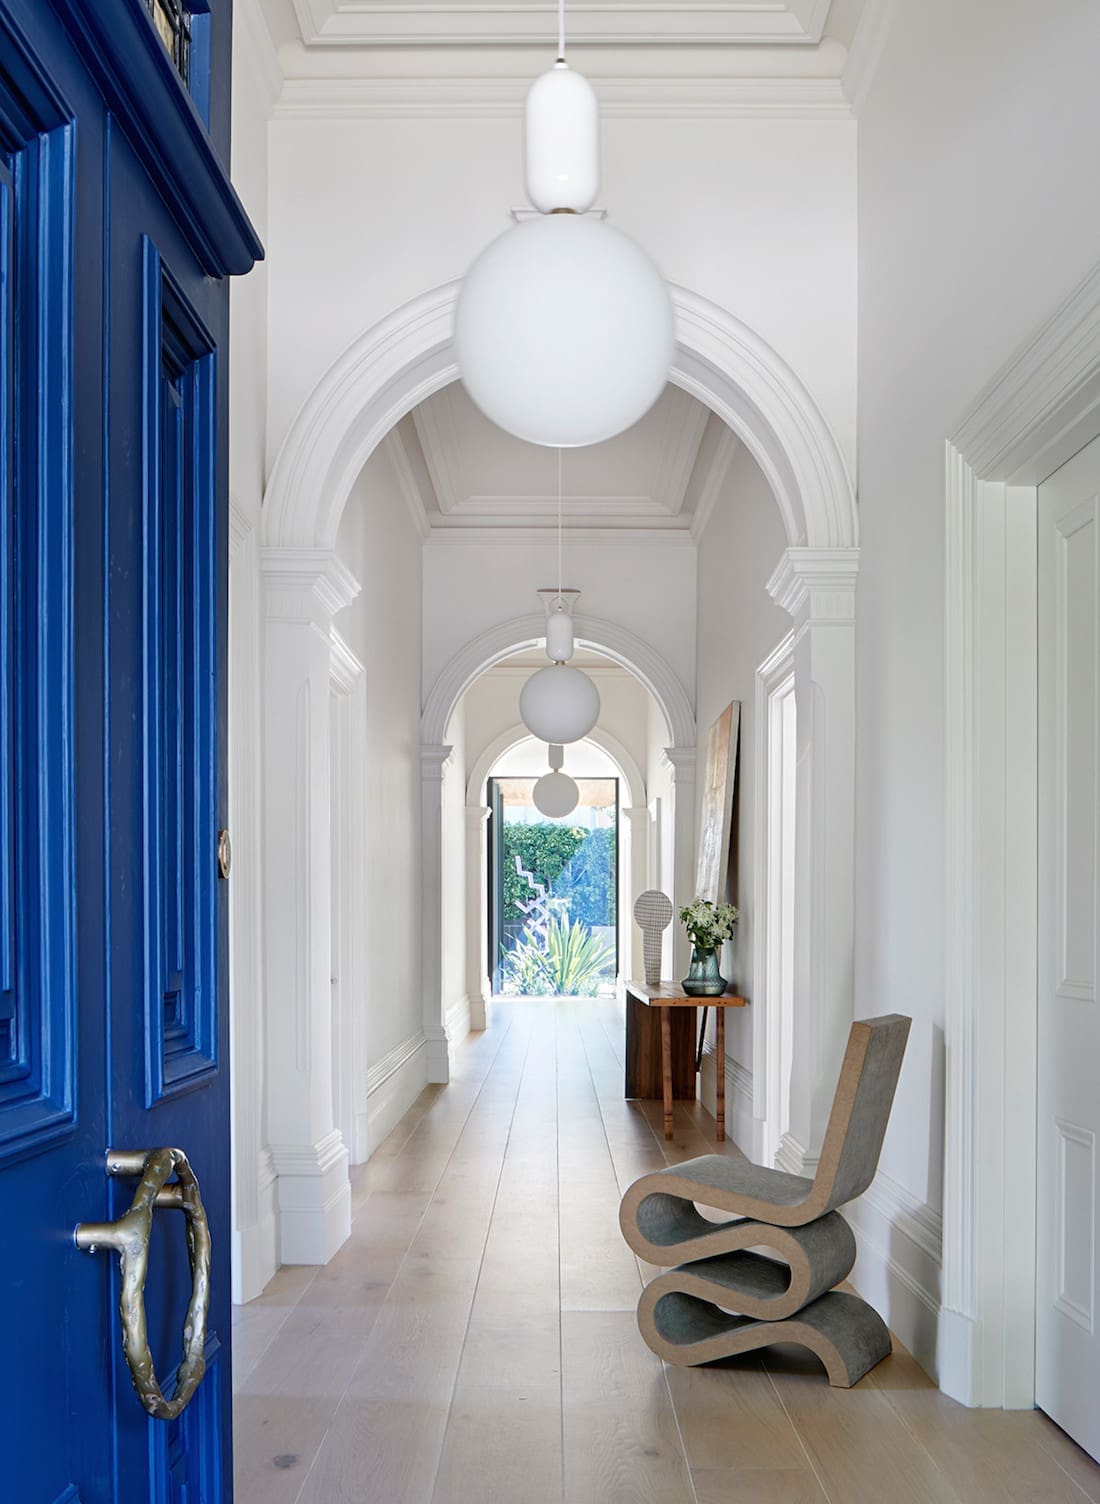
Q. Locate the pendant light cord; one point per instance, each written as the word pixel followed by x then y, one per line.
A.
pixel 560 573
pixel 561 31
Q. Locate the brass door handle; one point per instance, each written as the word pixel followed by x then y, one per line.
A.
pixel 129 1237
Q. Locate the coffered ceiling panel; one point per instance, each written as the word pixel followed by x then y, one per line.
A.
pixel 412 23
pixel 482 476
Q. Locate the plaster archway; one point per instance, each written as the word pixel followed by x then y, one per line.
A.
pixel 379 379
pixel 619 644
pixel 500 746
pixel 408 355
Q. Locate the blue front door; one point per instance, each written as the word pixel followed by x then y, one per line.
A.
pixel 118 231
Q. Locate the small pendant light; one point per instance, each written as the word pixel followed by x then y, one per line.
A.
pixel 555 794
pixel 559 704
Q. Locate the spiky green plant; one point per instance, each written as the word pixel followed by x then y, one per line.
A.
pixel 570 963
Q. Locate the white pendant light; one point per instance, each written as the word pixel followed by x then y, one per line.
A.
pixel 559 704
pixel 564 327
pixel 555 794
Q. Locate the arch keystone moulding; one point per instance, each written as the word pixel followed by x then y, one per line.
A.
pixel 522 632
pixel 409 354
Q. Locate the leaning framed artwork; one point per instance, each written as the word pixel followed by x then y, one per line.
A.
pixel 720 781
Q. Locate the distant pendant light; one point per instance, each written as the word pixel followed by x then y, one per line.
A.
pixel 559 704
pixel 564 327
pixel 555 794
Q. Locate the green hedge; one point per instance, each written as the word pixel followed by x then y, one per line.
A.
pixel 547 851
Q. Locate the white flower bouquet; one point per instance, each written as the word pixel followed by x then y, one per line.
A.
pixel 707 923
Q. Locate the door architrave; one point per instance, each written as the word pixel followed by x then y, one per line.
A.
pixel 1039 410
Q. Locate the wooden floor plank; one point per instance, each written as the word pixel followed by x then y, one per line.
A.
pixel 385 1439
pixel 475 1341
pixel 856 1443
pixel 598 1270
pixel 504 1427
pixel 758 1486
pixel 990 1455
pixel 622 1441
pixel 731 1417
pixel 283 1412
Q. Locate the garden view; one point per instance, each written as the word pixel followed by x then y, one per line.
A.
pixel 554 892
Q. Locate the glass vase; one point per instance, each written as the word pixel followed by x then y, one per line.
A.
pixel 703 978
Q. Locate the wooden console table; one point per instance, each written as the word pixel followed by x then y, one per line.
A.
pixel 660 1056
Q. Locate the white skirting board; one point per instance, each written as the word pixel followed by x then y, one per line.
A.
pixel 899 1238
pixel 394 1084
pixel 254 1258
pixel 742 1126
pixel 458 1020
pixel 898 1267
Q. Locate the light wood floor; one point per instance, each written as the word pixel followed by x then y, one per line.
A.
pixel 475 1342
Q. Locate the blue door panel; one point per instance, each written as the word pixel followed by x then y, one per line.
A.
pixel 55 1427
pixel 118 227
pixel 166 609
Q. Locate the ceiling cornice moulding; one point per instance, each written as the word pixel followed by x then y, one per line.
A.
pixel 252 45
pixel 1041 406
pixel 684 98
pixel 358 23
pixel 865 53
pixel 526 537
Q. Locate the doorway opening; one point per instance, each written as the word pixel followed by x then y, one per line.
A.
pixel 553 892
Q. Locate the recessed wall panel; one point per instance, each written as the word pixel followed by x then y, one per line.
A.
pixel 1077 834
pixel 1075 1213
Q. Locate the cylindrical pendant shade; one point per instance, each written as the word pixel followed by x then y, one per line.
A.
pixel 563 141
pixel 559 704
pixel 559 636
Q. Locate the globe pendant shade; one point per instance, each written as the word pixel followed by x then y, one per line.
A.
pixel 564 331
pixel 555 795
pixel 559 704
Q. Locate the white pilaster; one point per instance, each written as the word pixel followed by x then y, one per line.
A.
pixel 254 1231
pixel 682 761
pixel 303 588
pixel 478 986
pixel 348 729
pixel 817 587
pixel 433 760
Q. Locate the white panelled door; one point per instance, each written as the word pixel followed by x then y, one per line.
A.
pixel 1067 1379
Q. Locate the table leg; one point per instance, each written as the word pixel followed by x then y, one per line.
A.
pixel 720 1075
pixel 666 1068
pixel 702 1038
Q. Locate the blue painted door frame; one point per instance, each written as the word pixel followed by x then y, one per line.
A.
pixel 118 231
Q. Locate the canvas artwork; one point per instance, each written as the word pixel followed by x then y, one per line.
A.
pixel 720 778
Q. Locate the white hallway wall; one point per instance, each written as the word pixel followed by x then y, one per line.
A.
pixel 738 626
pixel 648 588
pixel 977 217
pixel 757 215
pixel 379 543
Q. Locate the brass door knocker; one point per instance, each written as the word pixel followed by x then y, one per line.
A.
pixel 129 1237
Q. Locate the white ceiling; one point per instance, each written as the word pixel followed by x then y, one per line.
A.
pixel 798 54
pixel 412 23
pixel 467 478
